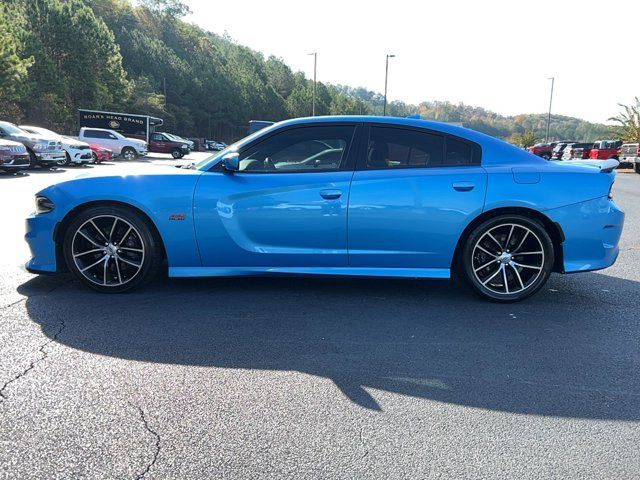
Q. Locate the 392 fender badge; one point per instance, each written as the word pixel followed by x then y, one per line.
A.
pixel 177 216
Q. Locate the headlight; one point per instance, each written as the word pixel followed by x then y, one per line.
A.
pixel 43 204
pixel 41 146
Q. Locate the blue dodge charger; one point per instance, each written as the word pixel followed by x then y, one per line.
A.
pixel 358 196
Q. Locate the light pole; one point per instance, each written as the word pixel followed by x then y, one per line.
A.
pixel 546 138
pixel 315 70
pixel 386 78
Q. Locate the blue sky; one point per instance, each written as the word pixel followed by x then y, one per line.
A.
pixel 495 54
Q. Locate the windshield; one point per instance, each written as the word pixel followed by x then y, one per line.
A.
pixel 40 131
pixel 11 129
pixel 232 148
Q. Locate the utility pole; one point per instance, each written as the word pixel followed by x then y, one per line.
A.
pixel 386 78
pixel 315 71
pixel 546 138
pixel 164 83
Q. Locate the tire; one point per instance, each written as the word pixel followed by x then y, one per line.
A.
pixel 498 274
pixel 546 156
pixel 33 160
pixel 93 249
pixel 65 162
pixel 636 167
pixel 129 153
pixel 177 154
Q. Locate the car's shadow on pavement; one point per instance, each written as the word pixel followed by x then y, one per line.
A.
pixel 571 351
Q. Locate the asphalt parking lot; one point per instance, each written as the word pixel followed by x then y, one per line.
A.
pixel 316 378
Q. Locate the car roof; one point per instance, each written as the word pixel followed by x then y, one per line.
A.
pixel 494 150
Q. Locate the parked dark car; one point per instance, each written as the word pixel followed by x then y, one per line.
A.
pixel 214 145
pixel 162 143
pixel 576 150
pixel 41 149
pixel 13 156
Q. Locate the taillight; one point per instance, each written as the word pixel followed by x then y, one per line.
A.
pixel 638 151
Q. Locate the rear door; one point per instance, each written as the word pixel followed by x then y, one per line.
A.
pixel 412 195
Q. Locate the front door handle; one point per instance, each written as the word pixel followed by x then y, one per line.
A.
pixel 330 194
pixel 463 186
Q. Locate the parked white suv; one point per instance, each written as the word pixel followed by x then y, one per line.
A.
pixel 128 148
pixel 77 152
pixel 630 153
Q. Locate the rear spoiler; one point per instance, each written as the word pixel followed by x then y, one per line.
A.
pixel 608 166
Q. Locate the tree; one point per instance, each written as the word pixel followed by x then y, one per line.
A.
pixel 13 68
pixel 628 120
pixel 171 8
pixel 524 140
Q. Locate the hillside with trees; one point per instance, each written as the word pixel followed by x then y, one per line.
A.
pixel 60 55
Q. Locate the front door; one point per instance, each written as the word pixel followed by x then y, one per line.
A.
pixel 412 195
pixel 285 207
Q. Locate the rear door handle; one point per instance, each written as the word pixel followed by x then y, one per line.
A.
pixel 330 194
pixel 463 186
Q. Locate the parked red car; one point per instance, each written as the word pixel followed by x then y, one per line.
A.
pixel 100 154
pixel 605 149
pixel 543 150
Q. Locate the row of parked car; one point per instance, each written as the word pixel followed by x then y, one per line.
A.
pixel 600 150
pixel 27 146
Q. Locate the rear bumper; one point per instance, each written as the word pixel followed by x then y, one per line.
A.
pixel 630 159
pixel 592 232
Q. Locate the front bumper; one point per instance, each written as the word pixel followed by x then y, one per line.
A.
pixel 80 156
pixel 39 234
pixel 592 232
pixel 18 162
pixel 50 157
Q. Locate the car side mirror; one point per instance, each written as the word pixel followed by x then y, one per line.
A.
pixel 231 162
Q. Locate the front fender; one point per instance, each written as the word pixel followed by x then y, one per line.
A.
pixel 167 200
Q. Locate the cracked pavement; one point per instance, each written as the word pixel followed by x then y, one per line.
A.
pixel 317 378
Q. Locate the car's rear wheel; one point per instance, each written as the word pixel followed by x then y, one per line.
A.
pixel 129 153
pixel 637 167
pixel 112 249
pixel 65 161
pixel 508 258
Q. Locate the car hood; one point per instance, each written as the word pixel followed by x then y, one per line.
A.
pixel 32 137
pixel 10 143
pixel 68 142
pixel 137 141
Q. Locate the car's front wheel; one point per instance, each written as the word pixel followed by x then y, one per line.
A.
pixel 177 154
pixel 129 153
pixel 508 258
pixel 64 161
pixel 112 249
